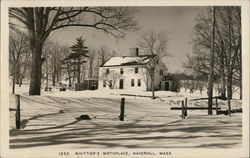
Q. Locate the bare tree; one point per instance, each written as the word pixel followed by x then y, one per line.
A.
pixel 25 66
pixel 41 21
pixel 211 70
pixel 47 52
pixel 104 55
pixel 229 33
pixel 91 62
pixel 66 66
pixel 111 78
pixel 155 44
pixel 52 62
pixel 200 60
pixel 56 63
pixel 226 46
pixel 18 49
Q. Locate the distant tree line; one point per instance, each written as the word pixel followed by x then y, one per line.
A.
pixel 60 63
pixel 19 57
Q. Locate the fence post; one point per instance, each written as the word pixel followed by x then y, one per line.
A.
pixel 216 103
pixel 185 106
pixel 18 115
pixel 183 110
pixel 122 109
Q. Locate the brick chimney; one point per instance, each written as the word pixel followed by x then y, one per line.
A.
pixel 134 52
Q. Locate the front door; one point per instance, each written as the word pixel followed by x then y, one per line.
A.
pixel 121 84
pixel 167 86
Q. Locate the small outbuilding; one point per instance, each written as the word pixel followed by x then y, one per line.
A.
pixel 87 84
pixel 170 84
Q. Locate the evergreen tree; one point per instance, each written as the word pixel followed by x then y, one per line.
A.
pixel 77 57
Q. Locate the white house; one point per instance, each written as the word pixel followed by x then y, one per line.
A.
pixel 131 73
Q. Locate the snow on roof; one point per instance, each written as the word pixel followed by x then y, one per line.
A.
pixel 128 60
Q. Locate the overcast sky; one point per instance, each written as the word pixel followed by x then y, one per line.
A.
pixel 178 21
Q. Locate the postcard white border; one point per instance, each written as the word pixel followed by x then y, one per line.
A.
pixel 240 152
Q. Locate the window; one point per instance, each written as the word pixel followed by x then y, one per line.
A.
pixel 107 71
pixel 159 84
pixel 104 83
pixel 132 82
pixel 136 70
pixel 157 61
pixel 121 84
pixel 139 82
pixel 161 72
pixel 92 85
pixel 121 71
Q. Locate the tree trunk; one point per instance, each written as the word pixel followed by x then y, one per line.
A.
pixel 47 72
pixel 230 59
pixel 152 86
pixel 78 71
pixel 57 75
pixel 230 87
pixel 240 87
pixel 240 69
pixel 90 72
pixel 229 64
pixel 54 77
pixel 13 84
pixel 223 86
pixel 223 78
pixel 36 71
pixel 240 78
pixel 73 78
pixel 91 68
pixel 17 74
pixel 47 79
pixel 211 71
pixel 20 81
pixel 36 39
pixel 70 84
pixel 229 92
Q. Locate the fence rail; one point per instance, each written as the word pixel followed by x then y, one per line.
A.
pixel 193 108
pixel 184 106
pixel 204 98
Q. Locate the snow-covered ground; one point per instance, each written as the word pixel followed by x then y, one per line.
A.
pixel 48 121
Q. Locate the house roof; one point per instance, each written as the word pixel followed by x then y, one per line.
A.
pixel 128 60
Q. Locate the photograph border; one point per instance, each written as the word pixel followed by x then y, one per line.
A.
pixel 176 152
